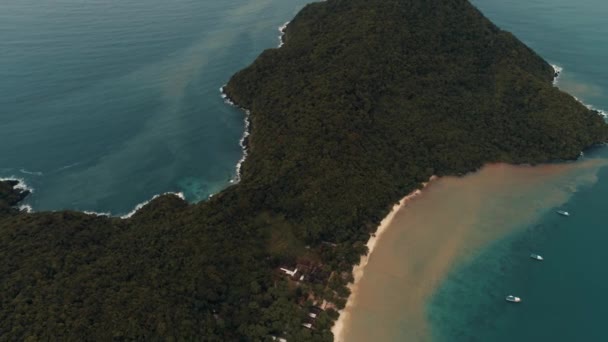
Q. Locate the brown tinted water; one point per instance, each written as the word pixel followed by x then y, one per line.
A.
pixel 446 225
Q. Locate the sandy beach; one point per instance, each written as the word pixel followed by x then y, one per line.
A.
pixel 358 270
pixel 431 231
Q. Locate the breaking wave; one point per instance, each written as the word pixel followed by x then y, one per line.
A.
pixel 143 204
pixel 558 72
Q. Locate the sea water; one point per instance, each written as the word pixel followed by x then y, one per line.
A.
pixel 104 104
pixel 412 286
pixel 443 267
pixel 565 297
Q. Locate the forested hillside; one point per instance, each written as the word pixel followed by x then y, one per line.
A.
pixel 366 99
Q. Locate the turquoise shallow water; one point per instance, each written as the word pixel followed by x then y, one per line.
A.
pixel 104 104
pixel 565 297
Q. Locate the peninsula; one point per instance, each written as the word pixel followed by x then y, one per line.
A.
pixel 365 100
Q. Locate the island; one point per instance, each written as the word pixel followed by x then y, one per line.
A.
pixel 364 101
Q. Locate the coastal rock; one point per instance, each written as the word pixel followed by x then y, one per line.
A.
pixel 11 195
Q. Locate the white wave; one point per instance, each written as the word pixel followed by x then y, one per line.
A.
pixel 21 185
pixel 26 207
pixel 243 141
pixel 599 111
pixel 94 213
pixel 590 107
pixel 143 204
pixel 557 73
pixel 68 166
pixel 282 33
pixel 227 100
pixel 243 144
pixel 33 173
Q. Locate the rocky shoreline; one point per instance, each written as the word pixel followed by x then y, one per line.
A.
pixel 11 194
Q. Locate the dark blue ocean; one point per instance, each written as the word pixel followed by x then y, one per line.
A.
pixel 565 297
pixel 104 104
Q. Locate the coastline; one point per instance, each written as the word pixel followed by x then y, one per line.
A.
pixel 141 205
pixel 417 252
pixel 359 269
pixel 22 185
pixel 282 29
pixel 236 179
pixel 244 137
pixel 247 130
pixel 558 72
pixel 24 189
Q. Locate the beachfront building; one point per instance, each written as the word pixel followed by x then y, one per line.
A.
pixel 289 272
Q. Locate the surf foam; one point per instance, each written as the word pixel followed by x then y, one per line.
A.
pixel 282 29
pixel 94 213
pixel 227 100
pixel 21 185
pixel 143 204
pixel 243 140
pixel 558 72
pixel 26 207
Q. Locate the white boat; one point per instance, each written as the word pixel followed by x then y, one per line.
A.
pixel 536 257
pixel 513 299
pixel 563 213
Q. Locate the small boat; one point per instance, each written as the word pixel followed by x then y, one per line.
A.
pixel 563 213
pixel 513 299
pixel 536 257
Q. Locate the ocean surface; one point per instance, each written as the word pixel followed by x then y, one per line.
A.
pixel 104 104
pixel 565 297
pixel 443 267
